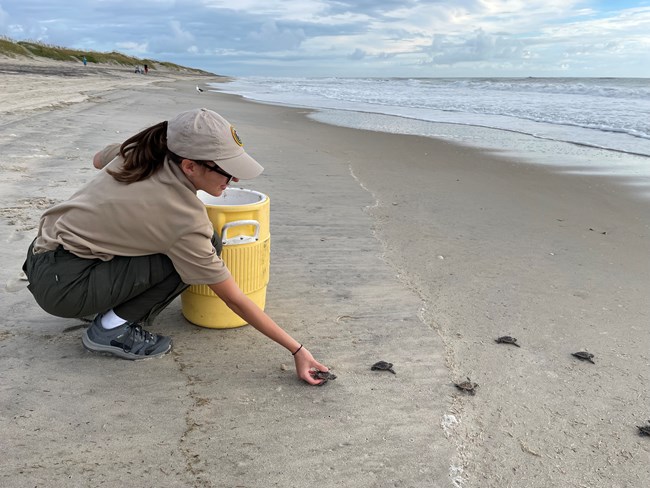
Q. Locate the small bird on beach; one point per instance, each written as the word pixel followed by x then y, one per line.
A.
pixel 199 89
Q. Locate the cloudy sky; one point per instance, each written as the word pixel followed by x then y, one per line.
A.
pixel 353 37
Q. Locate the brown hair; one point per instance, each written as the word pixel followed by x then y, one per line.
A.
pixel 143 153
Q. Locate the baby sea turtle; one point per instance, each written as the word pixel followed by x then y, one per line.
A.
pixel 322 375
pixel 467 386
pixel 644 429
pixel 507 340
pixel 584 356
pixel 383 366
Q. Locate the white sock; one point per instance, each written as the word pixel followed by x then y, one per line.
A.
pixel 110 320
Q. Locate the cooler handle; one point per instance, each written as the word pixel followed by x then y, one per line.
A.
pixel 239 239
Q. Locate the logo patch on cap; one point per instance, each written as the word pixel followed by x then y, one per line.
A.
pixel 235 136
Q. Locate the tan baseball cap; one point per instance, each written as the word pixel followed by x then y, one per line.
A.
pixel 204 135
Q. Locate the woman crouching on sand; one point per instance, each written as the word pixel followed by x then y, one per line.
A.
pixel 133 238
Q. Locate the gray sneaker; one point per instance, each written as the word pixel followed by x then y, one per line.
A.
pixel 128 341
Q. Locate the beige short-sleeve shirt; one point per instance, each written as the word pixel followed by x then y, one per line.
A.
pixel 158 215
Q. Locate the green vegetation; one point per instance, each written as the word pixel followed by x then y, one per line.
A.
pixel 11 49
pixel 14 49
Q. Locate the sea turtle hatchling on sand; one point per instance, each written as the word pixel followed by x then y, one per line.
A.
pixel 584 356
pixel 383 366
pixel 507 340
pixel 322 375
pixel 644 429
pixel 467 386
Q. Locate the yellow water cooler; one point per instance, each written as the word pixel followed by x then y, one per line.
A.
pixel 241 217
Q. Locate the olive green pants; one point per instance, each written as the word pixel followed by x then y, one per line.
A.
pixel 136 288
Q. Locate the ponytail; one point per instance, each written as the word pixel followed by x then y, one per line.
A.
pixel 143 154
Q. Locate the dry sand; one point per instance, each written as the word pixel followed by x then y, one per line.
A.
pixel 387 247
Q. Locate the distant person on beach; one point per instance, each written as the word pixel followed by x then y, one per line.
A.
pixel 136 235
pixel 146 69
pixel 85 60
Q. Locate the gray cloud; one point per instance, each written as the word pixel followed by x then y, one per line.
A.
pixel 357 54
pixel 270 37
pixel 371 8
pixel 480 46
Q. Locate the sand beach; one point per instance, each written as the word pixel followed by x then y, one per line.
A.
pixel 387 247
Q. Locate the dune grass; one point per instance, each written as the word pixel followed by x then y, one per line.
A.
pixel 13 49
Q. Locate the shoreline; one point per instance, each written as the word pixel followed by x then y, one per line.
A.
pixel 547 146
pixel 385 246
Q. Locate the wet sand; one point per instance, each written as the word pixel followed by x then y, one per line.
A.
pixel 401 248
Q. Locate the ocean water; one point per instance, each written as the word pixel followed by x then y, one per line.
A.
pixel 588 125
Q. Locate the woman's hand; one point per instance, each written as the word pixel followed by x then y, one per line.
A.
pixel 305 363
pixel 238 302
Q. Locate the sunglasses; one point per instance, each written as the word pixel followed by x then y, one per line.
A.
pixel 217 169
